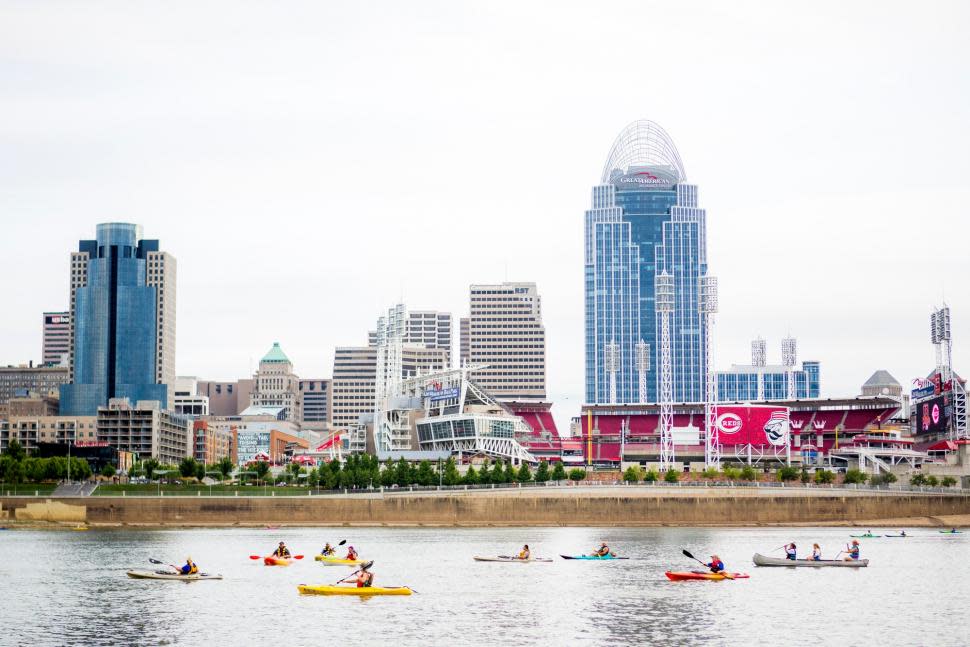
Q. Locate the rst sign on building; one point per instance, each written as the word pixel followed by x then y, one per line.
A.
pixel 252 443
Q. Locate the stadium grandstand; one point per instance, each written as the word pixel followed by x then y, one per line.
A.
pixel 631 432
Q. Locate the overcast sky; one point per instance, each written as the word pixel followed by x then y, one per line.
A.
pixel 311 163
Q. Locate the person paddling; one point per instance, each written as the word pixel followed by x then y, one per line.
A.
pixel 189 568
pixel 602 551
pixel 328 550
pixel 791 552
pixel 852 551
pixel 716 565
pixel 525 553
pixel 902 533
pixel 282 551
pixel 351 553
pixel 816 553
pixel 364 576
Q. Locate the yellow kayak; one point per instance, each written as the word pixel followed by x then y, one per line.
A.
pixel 326 559
pixel 353 590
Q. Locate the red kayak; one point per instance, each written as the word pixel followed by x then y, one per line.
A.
pixel 704 575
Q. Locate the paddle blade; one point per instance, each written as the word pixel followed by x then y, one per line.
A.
pixel 155 561
pixel 298 557
pixel 687 554
pixel 255 557
pixel 342 542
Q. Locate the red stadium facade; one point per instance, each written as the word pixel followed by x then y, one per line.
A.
pixel 747 431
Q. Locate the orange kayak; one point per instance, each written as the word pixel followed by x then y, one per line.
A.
pixel 704 575
pixel 277 561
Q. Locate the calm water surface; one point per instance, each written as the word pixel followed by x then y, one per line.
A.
pixel 70 588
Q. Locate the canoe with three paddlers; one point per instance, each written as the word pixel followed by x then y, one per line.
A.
pixel 762 560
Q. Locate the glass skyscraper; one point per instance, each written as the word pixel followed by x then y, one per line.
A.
pixel 122 328
pixel 644 220
pixel 741 383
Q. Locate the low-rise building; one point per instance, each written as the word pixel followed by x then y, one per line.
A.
pixel 213 443
pixel 186 398
pixel 19 381
pixel 145 429
pixel 29 430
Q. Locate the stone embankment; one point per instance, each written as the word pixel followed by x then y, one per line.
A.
pixel 600 506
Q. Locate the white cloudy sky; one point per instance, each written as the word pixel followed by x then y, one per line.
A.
pixel 310 163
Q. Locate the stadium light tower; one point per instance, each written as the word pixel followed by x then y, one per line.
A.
pixel 942 338
pixel 664 289
pixel 612 363
pixel 759 358
pixel 708 308
pixel 643 367
pixel 789 355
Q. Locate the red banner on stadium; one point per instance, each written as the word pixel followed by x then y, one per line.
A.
pixel 754 425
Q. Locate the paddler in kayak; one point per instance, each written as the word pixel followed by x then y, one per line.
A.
pixel 189 568
pixel 716 565
pixel 791 552
pixel 602 551
pixel 852 552
pixel 364 577
pixel 351 553
pixel 816 553
pixel 328 550
pixel 525 553
pixel 282 551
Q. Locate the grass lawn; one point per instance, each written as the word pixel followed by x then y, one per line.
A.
pixel 42 489
pixel 194 489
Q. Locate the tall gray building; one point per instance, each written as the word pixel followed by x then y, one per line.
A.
pixel 506 334
pixel 428 328
pixel 56 349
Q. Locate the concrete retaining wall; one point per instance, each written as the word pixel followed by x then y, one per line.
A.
pixel 702 508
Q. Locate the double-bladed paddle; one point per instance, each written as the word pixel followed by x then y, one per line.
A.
pixel 724 573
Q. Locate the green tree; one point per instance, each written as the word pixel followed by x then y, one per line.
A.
pixel 35 468
pixel 710 473
pixel 150 465
pixel 295 469
pixel 225 467
pixel 187 467
pixel 918 479
pixel 498 472
pixel 632 474
pixel 524 475
pixel 328 480
pixel 823 477
pixel 510 473
pixel 471 476
pixel 805 476
pixel 485 476
pixel 542 472
pixel 402 473
pixel 732 473
pixel 948 481
pixel 15 451
pixel 883 479
pixel 199 471
pixel 426 475
pixel 652 476
pixel 313 478
pixel 748 474
pixel 108 470
pixel 451 475
pixel 558 472
pixel 672 476
pixel 788 473
pixel 80 469
pixel 262 469
pixel 932 481
pixel 854 476
pixel 577 474
pixel 387 474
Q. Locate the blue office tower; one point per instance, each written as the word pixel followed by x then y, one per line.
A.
pixel 115 325
pixel 644 220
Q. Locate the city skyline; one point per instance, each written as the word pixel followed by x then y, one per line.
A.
pixel 821 196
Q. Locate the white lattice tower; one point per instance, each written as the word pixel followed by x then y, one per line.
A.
pixel 759 358
pixel 643 367
pixel 611 361
pixel 708 308
pixel 941 336
pixel 390 347
pixel 789 355
pixel 664 284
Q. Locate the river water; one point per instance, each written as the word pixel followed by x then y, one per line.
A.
pixel 64 587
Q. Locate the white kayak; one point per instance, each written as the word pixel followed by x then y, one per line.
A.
pixel 169 575
pixel 510 559
pixel 762 560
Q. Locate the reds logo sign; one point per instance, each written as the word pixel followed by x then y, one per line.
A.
pixel 729 423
